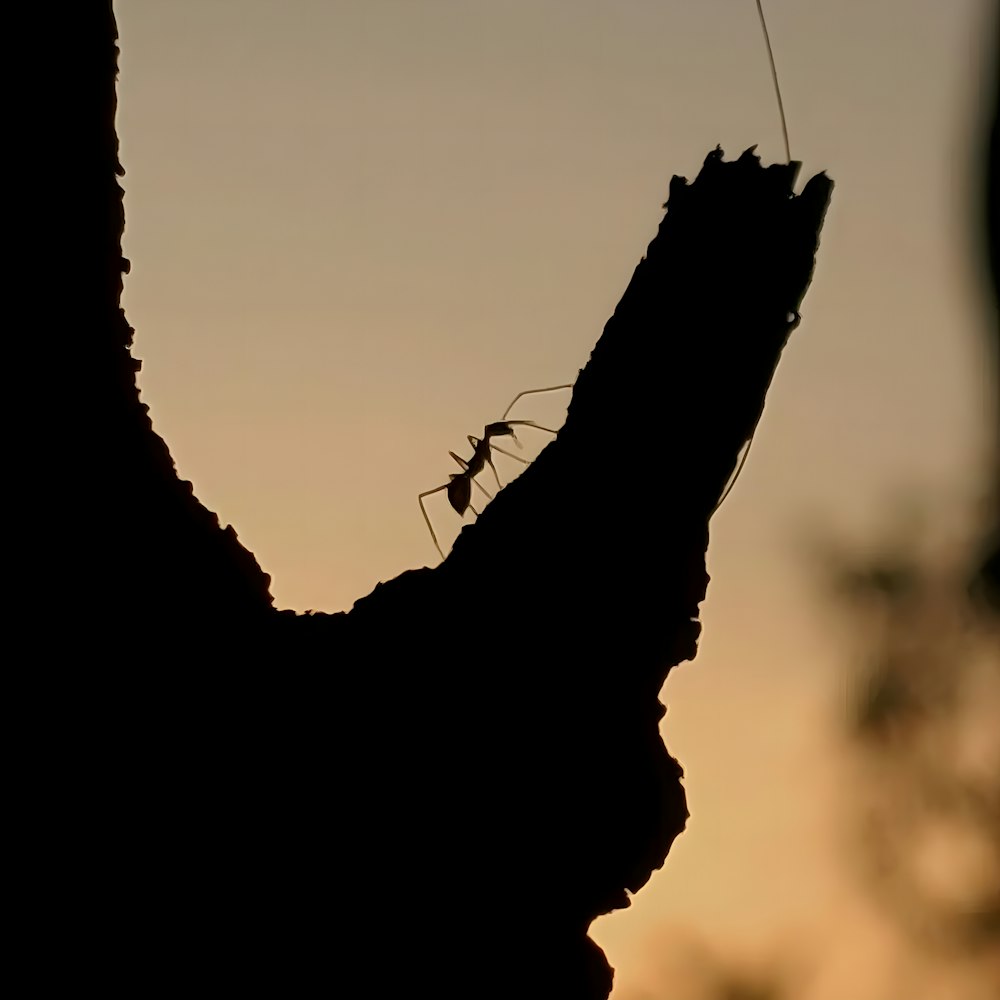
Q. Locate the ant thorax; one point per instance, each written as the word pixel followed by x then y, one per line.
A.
pixel 499 429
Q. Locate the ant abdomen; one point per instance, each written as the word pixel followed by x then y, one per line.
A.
pixel 460 494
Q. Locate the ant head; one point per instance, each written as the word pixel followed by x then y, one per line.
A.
pixel 460 493
pixel 499 429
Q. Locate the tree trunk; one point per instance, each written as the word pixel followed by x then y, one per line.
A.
pixel 267 801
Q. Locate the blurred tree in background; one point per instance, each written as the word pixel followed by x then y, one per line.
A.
pixel 923 706
pixel 921 609
pixel 924 703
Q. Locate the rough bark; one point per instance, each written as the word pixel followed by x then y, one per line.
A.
pixel 397 795
pixel 542 757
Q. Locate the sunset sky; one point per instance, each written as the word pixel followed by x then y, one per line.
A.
pixel 359 227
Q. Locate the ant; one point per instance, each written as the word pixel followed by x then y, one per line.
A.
pixel 459 485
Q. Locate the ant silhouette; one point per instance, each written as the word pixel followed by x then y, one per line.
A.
pixel 459 485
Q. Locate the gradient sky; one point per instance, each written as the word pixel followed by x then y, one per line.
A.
pixel 358 228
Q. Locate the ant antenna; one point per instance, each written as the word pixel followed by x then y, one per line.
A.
pixel 774 77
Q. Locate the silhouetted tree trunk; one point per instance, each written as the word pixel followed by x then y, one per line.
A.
pixel 269 801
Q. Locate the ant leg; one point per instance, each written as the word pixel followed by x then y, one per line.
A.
pixel 531 423
pixel 423 510
pixel 509 454
pixel 496 474
pixel 489 495
pixel 473 509
pixel 532 392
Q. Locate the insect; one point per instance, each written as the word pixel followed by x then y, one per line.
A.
pixel 459 485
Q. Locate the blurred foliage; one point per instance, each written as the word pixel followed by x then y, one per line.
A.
pixel 922 711
pixel 691 967
pixel 924 708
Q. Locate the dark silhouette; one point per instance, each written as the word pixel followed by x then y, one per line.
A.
pixel 372 801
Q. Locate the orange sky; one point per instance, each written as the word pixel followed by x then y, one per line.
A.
pixel 358 228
